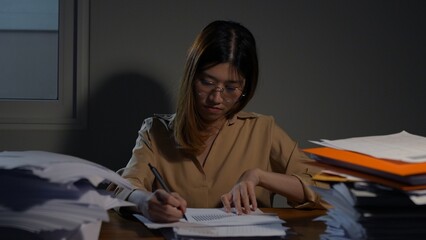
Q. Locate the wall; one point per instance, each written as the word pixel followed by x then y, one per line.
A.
pixel 328 69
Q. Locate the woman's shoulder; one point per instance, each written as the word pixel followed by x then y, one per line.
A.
pixel 163 120
pixel 166 118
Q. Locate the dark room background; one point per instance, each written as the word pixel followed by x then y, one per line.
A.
pixel 328 69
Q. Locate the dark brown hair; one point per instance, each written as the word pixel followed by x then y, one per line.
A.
pixel 219 42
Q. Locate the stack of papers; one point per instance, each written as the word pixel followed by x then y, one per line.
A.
pixel 342 219
pixel 54 196
pixel 215 222
pixel 399 157
pixel 369 211
pixel 387 199
pixel 401 146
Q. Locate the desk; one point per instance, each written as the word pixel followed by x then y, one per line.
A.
pixel 300 222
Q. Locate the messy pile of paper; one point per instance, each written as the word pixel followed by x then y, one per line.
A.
pixel 54 196
pixel 382 189
pixel 204 223
pixel 402 146
pixel 365 210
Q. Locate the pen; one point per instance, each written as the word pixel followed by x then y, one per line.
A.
pixel 162 183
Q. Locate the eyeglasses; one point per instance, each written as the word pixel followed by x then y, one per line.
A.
pixel 229 93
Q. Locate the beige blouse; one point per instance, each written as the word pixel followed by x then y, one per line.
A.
pixel 247 141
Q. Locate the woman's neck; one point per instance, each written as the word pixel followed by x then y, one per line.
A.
pixel 215 127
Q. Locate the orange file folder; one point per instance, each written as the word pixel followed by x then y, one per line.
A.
pixel 411 173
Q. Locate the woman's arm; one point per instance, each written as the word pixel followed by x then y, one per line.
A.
pixel 158 206
pixel 242 195
pixel 289 175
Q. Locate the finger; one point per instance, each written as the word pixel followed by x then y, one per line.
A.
pixel 173 200
pixel 166 198
pixel 161 196
pixel 226 203
pixel 182 203
pixel 164 213
pixel 236 199
pixel 160 209
pixel 245 198
pixel 252 195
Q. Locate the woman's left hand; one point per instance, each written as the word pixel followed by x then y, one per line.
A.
pixel 242 196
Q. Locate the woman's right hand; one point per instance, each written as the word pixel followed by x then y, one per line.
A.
pixel 159 206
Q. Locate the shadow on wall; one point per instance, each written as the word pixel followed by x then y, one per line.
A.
pixel 116 112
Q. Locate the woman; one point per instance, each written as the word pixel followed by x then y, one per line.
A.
pixel 210 153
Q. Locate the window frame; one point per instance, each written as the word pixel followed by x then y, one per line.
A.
pixel 69 110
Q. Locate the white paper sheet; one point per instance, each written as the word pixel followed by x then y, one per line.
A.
pixel 60 168
pixel 215 222
pixel 260 230
pixel 202 217
pixel 401 146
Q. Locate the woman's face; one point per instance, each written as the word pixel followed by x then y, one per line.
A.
pixel 217 90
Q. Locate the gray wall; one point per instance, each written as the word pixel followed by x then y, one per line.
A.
pixel 328 69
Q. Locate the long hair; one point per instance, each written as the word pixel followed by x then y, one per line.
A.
pixel 219 42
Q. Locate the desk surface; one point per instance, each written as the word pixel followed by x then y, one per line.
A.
pixel 299 221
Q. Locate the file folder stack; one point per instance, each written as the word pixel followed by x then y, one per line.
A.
pixel 53 196
pixel 388 198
